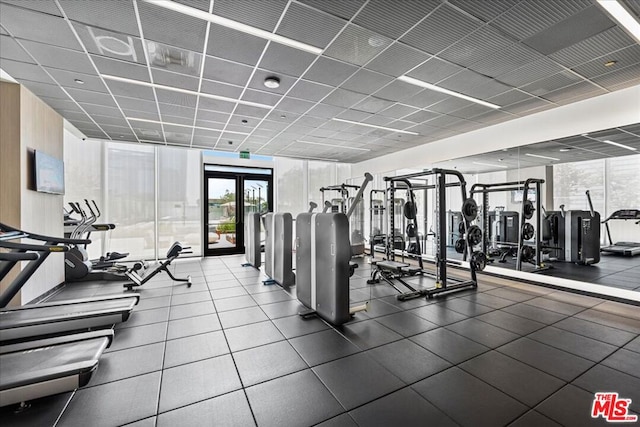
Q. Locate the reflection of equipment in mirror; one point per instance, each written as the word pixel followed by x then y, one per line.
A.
pixel 622 248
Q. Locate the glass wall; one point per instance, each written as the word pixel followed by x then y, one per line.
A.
pixel 151 194
pixel 179 207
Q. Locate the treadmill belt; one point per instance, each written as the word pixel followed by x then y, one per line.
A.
pixel 14 318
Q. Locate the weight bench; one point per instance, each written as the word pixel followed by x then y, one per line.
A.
pixel 174 252
pixel 390 271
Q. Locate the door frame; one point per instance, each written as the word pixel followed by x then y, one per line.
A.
pixel 240 177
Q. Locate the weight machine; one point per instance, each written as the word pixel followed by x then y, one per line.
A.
pixel 393 272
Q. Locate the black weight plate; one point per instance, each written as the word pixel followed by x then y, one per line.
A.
pixel 474 235
pixel 470 209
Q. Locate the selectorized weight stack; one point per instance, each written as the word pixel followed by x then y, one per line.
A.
pixel 323 263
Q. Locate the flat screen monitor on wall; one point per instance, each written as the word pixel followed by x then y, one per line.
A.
pixel 49 173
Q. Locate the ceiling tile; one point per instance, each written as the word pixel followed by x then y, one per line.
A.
pixel 130 90
pixel 530 17
pixel 176 80
pixel 397 59
pixel 260 14
pixel 329 72
pixel 441 29
pixel 37 5
pixel 220 89
pixel 40 27
pixel 397 91
pixel 175 98
pixel 185 31
pixel 340 8
pixel 68 79
pixel 10 49
pixel 389 19
pixel 124 69
pixel 366 81
pixel 225 71
pixel 309 91
pixel 286 60
pixel 119 17
pixel 58 57
pixel 224 42
pixel 306 25
pixel 357 45
pixel 434 70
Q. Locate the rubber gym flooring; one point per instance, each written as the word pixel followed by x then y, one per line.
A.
pixel 232 351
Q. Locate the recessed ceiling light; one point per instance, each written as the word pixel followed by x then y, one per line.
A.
pixel 272 82
pixel 376 126
pixel 617 144
pixel 610 63
pixel 540 156
pixel 80 82
pixel 622 16
pixel 490 165
pixel 429 86
pixel 238 26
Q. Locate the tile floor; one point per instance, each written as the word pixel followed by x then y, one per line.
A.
pixel 231 351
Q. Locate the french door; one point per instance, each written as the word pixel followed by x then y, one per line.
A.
pixel 230 193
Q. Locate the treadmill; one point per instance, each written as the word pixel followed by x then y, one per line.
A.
pixel 54 318
pixel 622 248
pixel 40 368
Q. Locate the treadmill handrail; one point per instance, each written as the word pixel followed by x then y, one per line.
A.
pixel 18 256
pixel 51 239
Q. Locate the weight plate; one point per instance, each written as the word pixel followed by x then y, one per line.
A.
pixel 470 209
pixel 528 209
pixel 528 253
pixel 474 235
pixel 527 231
pixel 478 261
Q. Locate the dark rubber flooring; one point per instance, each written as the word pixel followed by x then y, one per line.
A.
pixel 232 351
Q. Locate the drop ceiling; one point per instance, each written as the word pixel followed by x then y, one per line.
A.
pixel 130 70
pixel 622 141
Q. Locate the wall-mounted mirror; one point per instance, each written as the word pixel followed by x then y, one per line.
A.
pixel 581 223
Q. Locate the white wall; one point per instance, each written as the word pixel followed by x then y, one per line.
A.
pixel 603 112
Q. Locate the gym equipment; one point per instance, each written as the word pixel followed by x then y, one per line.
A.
pixel 323 265
pixel 622 248
pixel 53 318
pixel 78 267
pixel 278 249
pixel 505 239
pixel 49 366
pixel 252 228
pixel 577 233
pixel 356 220
pixel 174 252
pixel 391 271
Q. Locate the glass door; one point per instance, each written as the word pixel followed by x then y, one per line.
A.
pixel 230 193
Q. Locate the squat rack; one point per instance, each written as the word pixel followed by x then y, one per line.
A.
pixel 526 212
pixel 403 182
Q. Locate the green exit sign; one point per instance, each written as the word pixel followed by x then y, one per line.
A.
pixel 245 155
